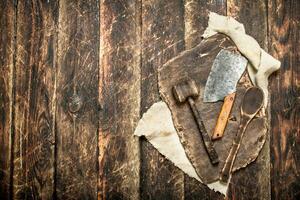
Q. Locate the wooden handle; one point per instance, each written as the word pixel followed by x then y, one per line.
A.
pixel 226 171
pixel 212 154
pixel 223 116
pixel 251 104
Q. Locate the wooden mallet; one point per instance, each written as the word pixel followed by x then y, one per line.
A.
pixel 186 90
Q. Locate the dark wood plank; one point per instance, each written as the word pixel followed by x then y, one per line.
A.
pixel 253 14
pixel 162 39
pixel 120 99
pixel 33 116
pixel 284 44
pixel 77 99
pixel 195 190
pixel 7 49
pixel 196 19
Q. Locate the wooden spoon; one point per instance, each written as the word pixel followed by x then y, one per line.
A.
pixel 251 104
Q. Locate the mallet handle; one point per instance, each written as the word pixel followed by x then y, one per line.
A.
pixel 213 156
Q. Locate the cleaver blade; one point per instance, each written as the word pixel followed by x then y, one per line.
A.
pixel 226 71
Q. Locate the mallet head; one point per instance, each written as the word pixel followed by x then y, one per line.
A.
pixel 184 89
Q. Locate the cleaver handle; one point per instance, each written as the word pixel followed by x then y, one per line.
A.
pixel 223 116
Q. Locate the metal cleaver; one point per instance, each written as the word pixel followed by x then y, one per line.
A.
pixel 225 73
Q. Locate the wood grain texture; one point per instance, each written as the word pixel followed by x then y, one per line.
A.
pixel 33 117
pixel 7 49
pixel 56 70
pixel 251 104
pixel 120 99
pixel 284 44
pixel 77 99
pixel 223 116
pixel 253 14
pixel 162 39
pixel 195 22
pixel 196 18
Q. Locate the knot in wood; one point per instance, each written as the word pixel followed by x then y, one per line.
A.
pixel 44 130
pixel 75 104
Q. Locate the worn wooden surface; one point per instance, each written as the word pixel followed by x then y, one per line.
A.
pixel 76 76
pixel 253 14
pixel 284 44
pixel 77 116
pixel 195 20
pixel 34 140
pixel 119 99
pixel 161 39
pixel 197 63
pixel 7 59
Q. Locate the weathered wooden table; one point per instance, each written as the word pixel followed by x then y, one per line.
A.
pixel 76 76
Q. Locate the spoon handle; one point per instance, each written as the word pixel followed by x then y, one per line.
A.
pixel 225 173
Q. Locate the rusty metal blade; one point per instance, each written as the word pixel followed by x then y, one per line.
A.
pixel 226 71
